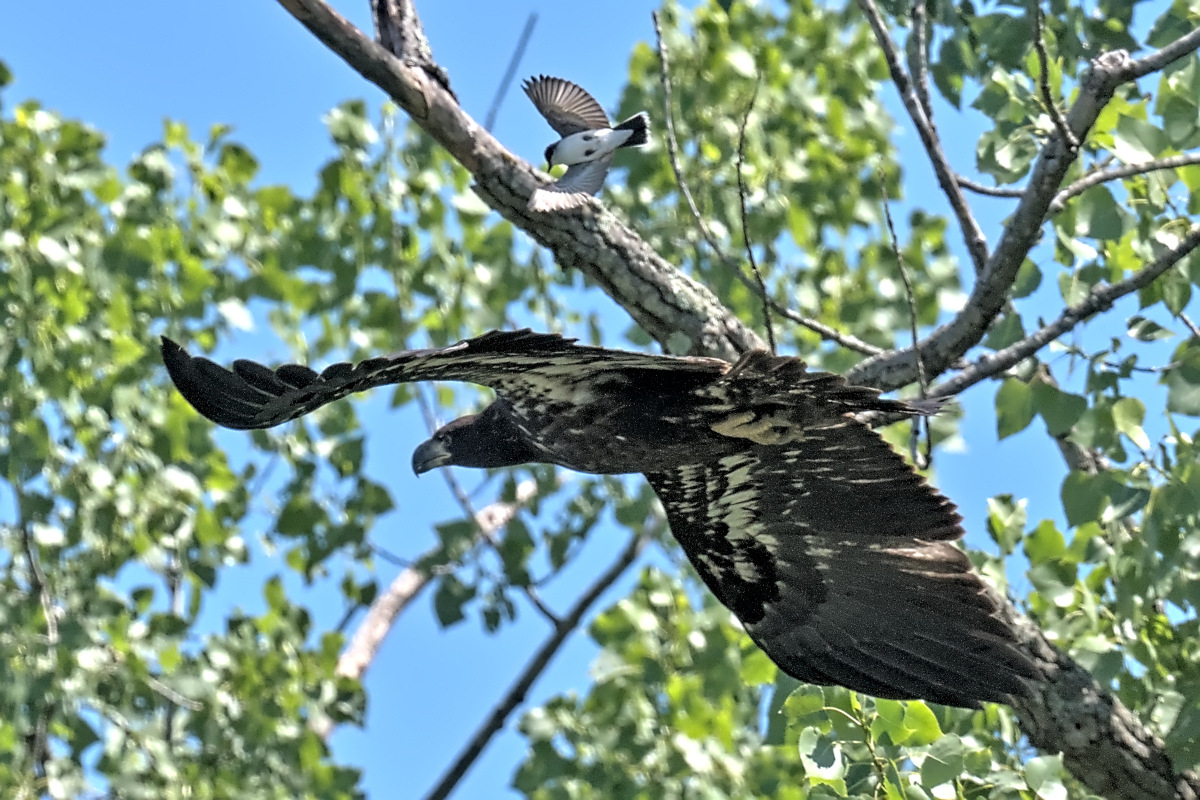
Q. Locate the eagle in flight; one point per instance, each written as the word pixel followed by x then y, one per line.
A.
pixel 838 558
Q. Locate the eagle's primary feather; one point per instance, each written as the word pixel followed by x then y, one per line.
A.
pixel 837 557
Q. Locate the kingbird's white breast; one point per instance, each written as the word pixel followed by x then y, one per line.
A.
pixel 588 146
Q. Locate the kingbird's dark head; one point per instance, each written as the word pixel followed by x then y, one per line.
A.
pixel 484 440
pixel 550 153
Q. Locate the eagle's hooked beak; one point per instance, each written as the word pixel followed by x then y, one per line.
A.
pixel 430 454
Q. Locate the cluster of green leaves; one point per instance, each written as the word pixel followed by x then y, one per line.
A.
pixel 124 511
pixel 816 161
pixel 1116 586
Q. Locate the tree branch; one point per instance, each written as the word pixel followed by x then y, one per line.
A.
pixel 822 330
pixel 489 121
pixel 660 298
pixel 1098 299
pixel 665 302
pixel 972 234
pixel 1039 46
pixel 951 341
pixel 1116 173
pixel 533 670
pixel 990 191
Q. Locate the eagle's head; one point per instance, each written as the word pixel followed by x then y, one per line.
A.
pixel 484 440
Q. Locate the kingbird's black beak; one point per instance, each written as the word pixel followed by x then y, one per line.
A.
pixel 429 455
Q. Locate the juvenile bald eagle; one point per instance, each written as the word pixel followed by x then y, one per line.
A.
pixel 836 556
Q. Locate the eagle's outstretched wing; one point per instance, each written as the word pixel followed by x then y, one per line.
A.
pixel 537 368
pixel 840 562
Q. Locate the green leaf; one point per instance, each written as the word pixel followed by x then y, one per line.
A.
pixel 1044 775
pixel 1097 215
pixel 1045 542
pixel 1183 380
pixel 1147 330
pixel 1029 278
pixel 1084 497
pixel 1006 521
pixel 1060 410
pixel 1136 141
pixel 920 719
pixel 449 599
pixel 1014 407
pixel 1128 413
pixel 943 763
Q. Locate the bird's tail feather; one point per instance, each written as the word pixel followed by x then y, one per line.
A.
pixel 639 127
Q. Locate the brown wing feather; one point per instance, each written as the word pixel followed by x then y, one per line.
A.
pixel 534 367
pixel 840 562
pixel 566 106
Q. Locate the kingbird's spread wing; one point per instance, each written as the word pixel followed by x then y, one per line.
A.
pixel 840 561
pixel 539 370
pixel 579 182
pixel 567 107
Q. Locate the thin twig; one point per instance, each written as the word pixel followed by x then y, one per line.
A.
pixel 921 459
pixel 490 120
pixel 846 340
pixel 973 236
pixel 822 330
pixel 533 670
pixel 1191 326
pixel 38 741
pixel 990 191
pixel 39 584
pixel 664 76
pixel 1039 44
pixel 1116 173
pixel 918 62
pixel 741 182
pixel 1098 299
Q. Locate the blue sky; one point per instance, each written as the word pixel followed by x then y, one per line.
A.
pixel 126 67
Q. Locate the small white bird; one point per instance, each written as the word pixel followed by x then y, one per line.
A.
pixel 588 143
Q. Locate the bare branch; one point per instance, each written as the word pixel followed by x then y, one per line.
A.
pixel 921 459
pixel 990 191
pixel 489 121
pixel 1159 59
pixel 661 299
pixel 399 30
pixel 1116 173
pixel 364 645
pixel 846 340
pixel 741 181
pixel 664 77
pixel 951 341
pixel 1099 299
pixel 1039 45
pixel 918 63
pixel 972 234
pixel 533 670
pixel 1191 326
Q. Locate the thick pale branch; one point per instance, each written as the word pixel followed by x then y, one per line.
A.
pixel 1099 299
pixel 1103 744
pixel 664 301
pixel 972 234
pixel 368 638
pixel 533 670
pixel 1064 713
